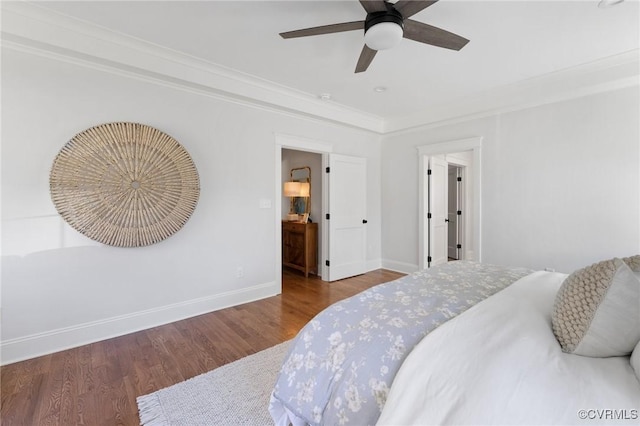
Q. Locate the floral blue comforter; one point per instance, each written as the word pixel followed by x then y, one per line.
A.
pixel 341 364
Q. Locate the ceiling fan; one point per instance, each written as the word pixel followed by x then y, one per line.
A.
pixel 385 25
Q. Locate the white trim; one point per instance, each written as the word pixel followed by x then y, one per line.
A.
pixel 373 265
pixel 303 144
pixel 473 144
pixel 458 145
pixel 27 347
pixel 34 29
pixel 277 261
pixel 38 30
pixel 397 266
pixel 603 75
pixel 325 211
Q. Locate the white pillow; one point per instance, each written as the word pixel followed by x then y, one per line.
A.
pixel 635 360
pixel 597 310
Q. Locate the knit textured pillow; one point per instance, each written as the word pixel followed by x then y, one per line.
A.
pixel 597 310
pixel 633 262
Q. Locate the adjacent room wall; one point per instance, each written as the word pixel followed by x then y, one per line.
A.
pixel 60 289
pixel 292 159
pixel 560 183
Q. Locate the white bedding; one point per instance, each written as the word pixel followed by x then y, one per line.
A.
pixel 499 363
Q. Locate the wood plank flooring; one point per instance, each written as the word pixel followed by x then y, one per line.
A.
pixel 97 384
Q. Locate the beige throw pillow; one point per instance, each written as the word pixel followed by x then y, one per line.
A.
pixel 597 310
pixel 633 262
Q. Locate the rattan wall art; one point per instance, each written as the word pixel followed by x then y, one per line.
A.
pixel 124 184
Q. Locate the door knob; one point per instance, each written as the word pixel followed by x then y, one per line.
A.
pixel 364 220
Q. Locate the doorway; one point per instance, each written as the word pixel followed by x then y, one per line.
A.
pixel 342 234
pixel 455 232
pixel 449 205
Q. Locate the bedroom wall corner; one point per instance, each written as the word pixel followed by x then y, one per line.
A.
pixel 560 182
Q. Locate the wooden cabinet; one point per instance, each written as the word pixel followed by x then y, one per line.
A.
pixel 300 246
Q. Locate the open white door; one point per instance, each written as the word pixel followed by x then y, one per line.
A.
pixel 437 216
pixel 347 216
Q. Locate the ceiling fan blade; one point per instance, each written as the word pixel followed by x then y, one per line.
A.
pixel 324 29
pixel 374 5
pixel 423 33
pixel 366 56
pixel 409 8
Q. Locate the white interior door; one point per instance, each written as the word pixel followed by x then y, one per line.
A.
pixel 438 207
pixel 347 216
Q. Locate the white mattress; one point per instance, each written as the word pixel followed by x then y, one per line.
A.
pixel 499 363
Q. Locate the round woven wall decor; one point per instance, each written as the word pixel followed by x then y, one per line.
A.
pixel 124 184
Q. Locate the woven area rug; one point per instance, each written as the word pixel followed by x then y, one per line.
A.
pixel 234 394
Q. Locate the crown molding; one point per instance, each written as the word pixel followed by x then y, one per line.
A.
pixel 612 73
pixel 35 28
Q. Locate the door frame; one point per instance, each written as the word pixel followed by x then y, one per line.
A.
pixel 299 143
pixel 473 144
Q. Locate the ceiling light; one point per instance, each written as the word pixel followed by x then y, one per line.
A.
pixel 383 36
pixel 379 89
pixel 383 30
pixel 603 4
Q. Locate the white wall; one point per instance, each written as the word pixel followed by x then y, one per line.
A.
pixel 60 289
pixel 560 183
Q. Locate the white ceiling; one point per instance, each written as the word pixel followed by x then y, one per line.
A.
pixel 511 41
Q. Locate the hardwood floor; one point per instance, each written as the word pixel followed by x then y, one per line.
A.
pixel 97 384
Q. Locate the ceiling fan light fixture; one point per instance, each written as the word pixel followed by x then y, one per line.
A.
pixel 384 35
pixel 383 30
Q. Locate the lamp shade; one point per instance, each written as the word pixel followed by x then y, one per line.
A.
pixel 304 189
pixel 296 189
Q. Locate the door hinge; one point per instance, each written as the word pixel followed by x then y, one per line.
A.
pixel 327 216
pixel 428 215
pixel 459 246
pixel 428 171
pixel 459 212
pixel 459 179
pixel 327 170
pixel 429 259
pixel 326 262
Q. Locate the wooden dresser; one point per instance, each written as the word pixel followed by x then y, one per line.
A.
pixel 300 246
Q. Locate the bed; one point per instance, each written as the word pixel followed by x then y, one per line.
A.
pixel 468 343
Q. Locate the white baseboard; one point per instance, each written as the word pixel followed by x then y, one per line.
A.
pixel 470 255
pixel 27 347
pixel 374 264
pixel 394 265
